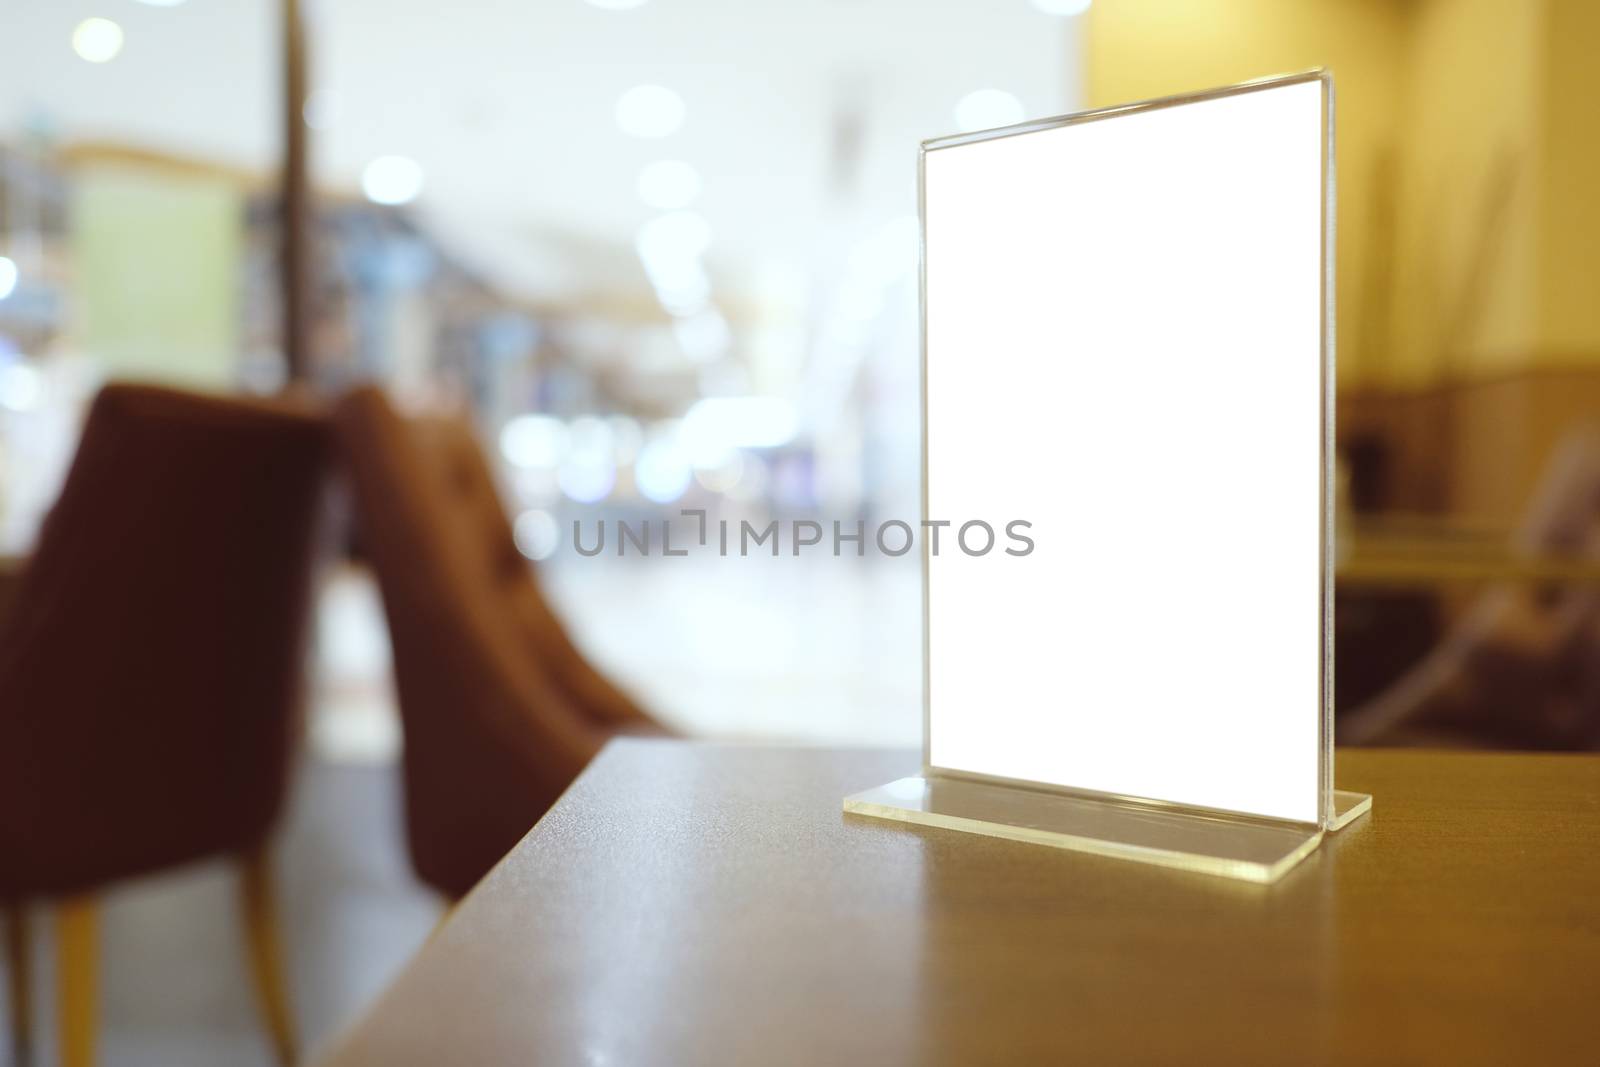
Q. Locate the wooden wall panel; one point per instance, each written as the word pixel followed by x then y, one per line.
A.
pixel 1473 449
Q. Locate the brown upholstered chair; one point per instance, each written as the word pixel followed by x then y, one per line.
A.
pixel 150 670
pixel 500 709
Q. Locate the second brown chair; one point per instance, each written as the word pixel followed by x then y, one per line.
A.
pixel 500 709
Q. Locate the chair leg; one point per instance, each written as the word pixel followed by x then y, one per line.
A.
pixel 78 977
pixel 258 904
pixel 447 908
pixel 19 976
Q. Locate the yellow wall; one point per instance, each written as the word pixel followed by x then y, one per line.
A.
pixel 1465 256
pixel 1569 189
pixel 1142 48
pixel 1468 159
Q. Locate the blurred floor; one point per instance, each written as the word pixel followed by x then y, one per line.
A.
pixel 823 651
pixel 174 984
pixel 818 651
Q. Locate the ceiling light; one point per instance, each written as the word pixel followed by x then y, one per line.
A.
pixel 670 247
pixel 716 424
pixel 161 3
pixel 663 472
pixel 392 180
pixel 668 184
pixel 984 109
pixel 21 387
pixel 8 277
pixel 649 111
pixel 97 40
pixel 723 474
pixel 682 288
pixel 533 441
pixel 704 337
pixel 588 479
pixel 1062 7
pixel 677 235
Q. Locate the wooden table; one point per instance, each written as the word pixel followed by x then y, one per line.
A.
pixel 699 904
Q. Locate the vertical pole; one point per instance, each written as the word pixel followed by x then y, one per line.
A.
pixel 295 196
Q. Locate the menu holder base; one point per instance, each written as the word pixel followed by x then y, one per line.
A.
pixel 1348 807
pixel 1250 849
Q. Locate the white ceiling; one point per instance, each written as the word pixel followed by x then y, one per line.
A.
pixel 803 117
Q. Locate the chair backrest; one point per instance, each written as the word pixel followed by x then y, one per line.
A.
pixel 449 448
pixel 151 661
pixel 491 735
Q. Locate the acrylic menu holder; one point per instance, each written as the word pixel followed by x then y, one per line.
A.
pixel 1128 348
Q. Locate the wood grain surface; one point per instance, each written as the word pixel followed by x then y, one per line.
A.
pixel 703 904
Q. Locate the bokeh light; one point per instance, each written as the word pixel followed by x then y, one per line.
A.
pixel 663 472
pixel 984 109
pixel 533 441
pixel 668 184
pixel 1062 7
pixel 392 180
pixel 97 40
pixel 536 533
pixel 650 111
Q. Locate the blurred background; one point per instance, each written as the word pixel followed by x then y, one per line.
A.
pixel 663 253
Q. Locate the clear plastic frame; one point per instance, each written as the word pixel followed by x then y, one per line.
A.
pixel 1116 304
